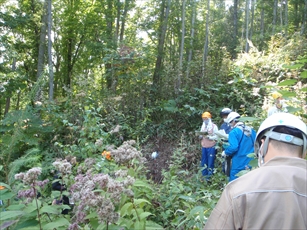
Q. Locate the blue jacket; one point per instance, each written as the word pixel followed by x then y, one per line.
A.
pixel 240 145
pixel 226 127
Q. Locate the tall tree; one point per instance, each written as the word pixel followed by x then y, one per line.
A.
pixel 262 25
pixel 41 51
pixel 274 16
pixel 303 28
pixel 181 47
pixel 165 9
pixel 247 26
pixel 191 36
pixel 286 16
pixel 206 45
pixel 50 65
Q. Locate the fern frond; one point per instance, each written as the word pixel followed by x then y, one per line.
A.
pixel 31 159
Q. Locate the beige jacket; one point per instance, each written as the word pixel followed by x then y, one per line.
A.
pixel 271 197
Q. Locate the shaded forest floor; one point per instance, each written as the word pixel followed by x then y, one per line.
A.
pixel 156 166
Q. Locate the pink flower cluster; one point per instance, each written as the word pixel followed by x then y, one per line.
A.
pixel 63 166
pixel 99 193
pixel 29 177
pixel 126 153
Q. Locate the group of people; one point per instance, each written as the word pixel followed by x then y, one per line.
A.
pixel 241 140
pixel 273 196
pixel 240 143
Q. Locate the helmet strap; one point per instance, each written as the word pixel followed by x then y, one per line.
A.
pixel 304 147
pixel 266 142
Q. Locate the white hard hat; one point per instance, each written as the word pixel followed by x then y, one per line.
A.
pixel 231 116
pixel 225 112
pixel 281 119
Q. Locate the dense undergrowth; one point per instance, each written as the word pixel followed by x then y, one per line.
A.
pixel 102 149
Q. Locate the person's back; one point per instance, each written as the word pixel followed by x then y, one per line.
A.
pixel 268 198
pixel 274 196
pixel 241 142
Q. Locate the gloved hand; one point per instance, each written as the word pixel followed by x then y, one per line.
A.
pixel 200 137
pixel 223 154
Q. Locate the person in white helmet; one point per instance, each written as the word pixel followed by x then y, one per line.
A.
pixel 225 125
pixel 227 128
pixel 273 196
pixel 241 141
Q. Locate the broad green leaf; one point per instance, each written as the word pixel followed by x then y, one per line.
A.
pixel 139 225
pixel 304 89
pixel 188 198
pixel 95 223
pixel 244 119
pixel 57 223
pixel 254 163
pixel 30 208
pixel 91 215
pixel 37 202
pixel 15 207
pixel 6 194
pixel 10 214
pixel 28 224
pixel 288 82
pixel 3 184
pixel 251 155
pixel 295 66
pixel 140 201
pixel 126 209
pixel 150 225
pixel 292 109
pixel 286 93
pixel 140 183
pixel 50 209
pixel 144 215
pixel 304 74
pixel 197 210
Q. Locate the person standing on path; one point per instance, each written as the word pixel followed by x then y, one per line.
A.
pixel 273 196
pixel 241 141
pixel 208 151
pixel 227 128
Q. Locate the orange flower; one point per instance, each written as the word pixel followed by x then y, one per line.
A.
pixel 107 155
pixel 2 187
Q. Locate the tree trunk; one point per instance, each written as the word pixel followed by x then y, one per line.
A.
pixel 118 4
pixel 122 29
pixel 274 16
pixel 41 52
pixel 50 50
pixel 252 19
pixel 281 11
pixel 158 65
pixel 247 26
pixel 206 46
pixel 8 99
pixel 262 25
pixel 235 29
pixel 286 16
pixel 178 85
pixel 110 45
pixel 303 29
pixel 191 37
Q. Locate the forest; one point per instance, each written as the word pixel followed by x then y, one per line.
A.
pixel 104 98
